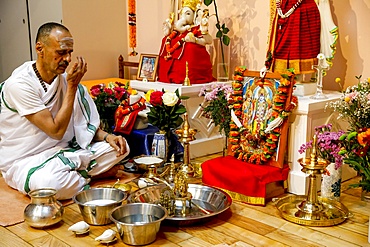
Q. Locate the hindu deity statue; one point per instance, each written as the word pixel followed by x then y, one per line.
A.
pixel 184 41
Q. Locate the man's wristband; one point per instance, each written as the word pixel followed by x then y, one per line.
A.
pixel 105 137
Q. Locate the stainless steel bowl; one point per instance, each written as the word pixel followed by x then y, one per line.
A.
pixel 138 223
pixel 96 204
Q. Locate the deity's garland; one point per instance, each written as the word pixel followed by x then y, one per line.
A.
pixel 264 144
pixel 132 26
pixel 195 31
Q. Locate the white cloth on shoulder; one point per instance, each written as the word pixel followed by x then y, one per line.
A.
pixel 29 159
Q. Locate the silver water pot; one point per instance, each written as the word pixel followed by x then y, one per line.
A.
pixel 44 209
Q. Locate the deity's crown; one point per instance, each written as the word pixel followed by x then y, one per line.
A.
pixel 193 4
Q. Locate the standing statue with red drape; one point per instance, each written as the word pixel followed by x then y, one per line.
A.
pixel 294 40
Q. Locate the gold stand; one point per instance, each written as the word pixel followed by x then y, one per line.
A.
pixel 187 80
pixel 312 210
pixel 186 134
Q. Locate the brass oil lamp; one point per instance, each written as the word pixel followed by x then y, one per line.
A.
pixel 312 210
pixel 186 135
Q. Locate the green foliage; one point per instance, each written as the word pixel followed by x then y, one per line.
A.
pixel 222 29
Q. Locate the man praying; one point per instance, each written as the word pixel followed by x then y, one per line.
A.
pixel 49 125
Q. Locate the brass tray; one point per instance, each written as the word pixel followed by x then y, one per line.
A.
pixel 211 199
pixel 333 212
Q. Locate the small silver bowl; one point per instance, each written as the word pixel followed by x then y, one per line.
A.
pixel 144 162
pixel 138 223
pixel 97 203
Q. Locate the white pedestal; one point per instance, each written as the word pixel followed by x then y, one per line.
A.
pixel 309 114
pixel 207 140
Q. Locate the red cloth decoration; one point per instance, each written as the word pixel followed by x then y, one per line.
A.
pixel 125 116
pixel 241 177
pixel 295 41
pixel 173 70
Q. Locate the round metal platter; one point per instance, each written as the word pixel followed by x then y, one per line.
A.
pixel 214 200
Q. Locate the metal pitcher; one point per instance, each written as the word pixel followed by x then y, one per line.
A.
pixel 44 210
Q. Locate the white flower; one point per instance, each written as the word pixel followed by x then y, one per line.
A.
pixel 320 56
pixel 170 99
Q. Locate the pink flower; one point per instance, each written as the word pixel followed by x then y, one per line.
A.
pixel 119 92
pixel 108 91
pixel 95 91
pixel 352 95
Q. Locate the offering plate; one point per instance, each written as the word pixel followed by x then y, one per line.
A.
pixel 213 200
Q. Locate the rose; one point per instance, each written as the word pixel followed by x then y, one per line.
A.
pixel 119 92
pixel 166 110
pixel 96 90
pixel 156 98
pixel 108 90
pixel 170 99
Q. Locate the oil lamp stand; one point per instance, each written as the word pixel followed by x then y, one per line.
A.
pixel 312 210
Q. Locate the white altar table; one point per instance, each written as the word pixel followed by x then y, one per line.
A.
pixel 208 140
pixel 309 114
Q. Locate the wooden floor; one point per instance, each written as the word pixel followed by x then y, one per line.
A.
pixel 241 225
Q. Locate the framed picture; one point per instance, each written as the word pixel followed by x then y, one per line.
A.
pixel 147 67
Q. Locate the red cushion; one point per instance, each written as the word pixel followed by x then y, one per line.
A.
pixel 241 177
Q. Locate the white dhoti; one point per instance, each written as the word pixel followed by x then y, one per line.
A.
pixel 68 171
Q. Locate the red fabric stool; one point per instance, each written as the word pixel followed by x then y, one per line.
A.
pixel 243 181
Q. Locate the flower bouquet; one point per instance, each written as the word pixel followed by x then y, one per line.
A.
pixel 354 106
pixel 165 110
pixel 216 106
pixel 357 154
pixel 328 145
pixel 107 99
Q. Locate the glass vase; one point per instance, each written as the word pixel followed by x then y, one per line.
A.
pixel 365 195
pixel 331 184
pixel 223 61
pixel 107 125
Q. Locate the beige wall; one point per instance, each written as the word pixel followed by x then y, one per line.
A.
pixel 99 28
pixel 100 31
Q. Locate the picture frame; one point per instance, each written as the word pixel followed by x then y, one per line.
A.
pixel 148 65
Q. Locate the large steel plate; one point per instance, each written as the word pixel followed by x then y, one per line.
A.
pixel 214 200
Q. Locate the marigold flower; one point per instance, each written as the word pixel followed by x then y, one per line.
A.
pixel 364 137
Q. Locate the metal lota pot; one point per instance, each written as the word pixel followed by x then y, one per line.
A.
pixel 44 210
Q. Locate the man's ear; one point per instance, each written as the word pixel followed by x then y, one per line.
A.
pixel 40 49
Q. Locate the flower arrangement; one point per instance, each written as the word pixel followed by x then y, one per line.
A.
pixel 216 106
pixel 107 99
pixel 260 147
pixel 165 110
pixel 356 153
pixel 328 144
pixel 354 106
